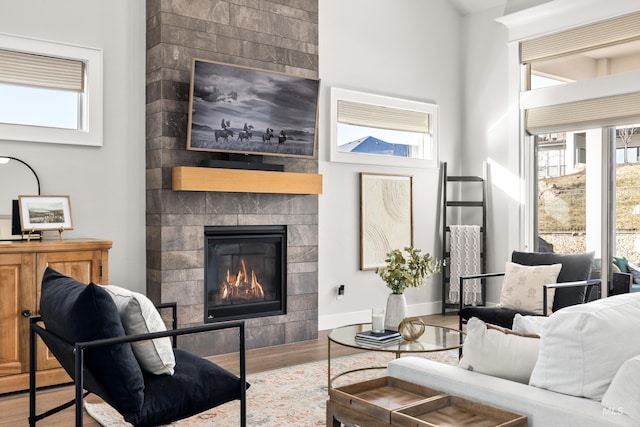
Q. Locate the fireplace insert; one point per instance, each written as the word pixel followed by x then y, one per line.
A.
pixel 245 271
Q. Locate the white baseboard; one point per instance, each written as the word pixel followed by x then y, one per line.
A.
pixel 331 321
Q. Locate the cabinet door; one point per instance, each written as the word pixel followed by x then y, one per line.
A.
pixel 17 303
pixel 84 266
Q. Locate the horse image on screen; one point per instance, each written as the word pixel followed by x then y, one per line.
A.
pixel 250 111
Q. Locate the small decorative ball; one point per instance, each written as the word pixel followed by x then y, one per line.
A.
pixel 411 328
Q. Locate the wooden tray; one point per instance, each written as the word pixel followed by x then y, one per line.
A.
pixel 449 411
pixel 378 397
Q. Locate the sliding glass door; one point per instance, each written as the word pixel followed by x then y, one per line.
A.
pixel 588 193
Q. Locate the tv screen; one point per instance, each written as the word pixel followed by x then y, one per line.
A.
pixel 243 110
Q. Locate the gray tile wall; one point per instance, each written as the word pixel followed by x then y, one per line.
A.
pixel 276 35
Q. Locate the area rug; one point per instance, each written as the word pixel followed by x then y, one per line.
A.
pixel 286 397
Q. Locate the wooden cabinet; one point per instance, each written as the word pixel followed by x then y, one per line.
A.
pixel 22 265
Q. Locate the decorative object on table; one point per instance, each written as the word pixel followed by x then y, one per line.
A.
pixel 386 220
pixel 404 269
pixel 377 319
pixel 377 336
pixel 45 213
pixel 378 339
pixel 17 177
pixel 411 328
pixel 396 311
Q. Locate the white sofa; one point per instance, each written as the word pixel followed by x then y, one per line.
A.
pixel 587 371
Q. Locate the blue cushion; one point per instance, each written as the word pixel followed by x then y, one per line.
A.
pixel 77 312
pixel 575 267
pixel 622 263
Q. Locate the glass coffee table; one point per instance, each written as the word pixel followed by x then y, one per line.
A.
pixel 434 338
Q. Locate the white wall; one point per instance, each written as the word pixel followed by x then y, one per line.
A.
pixel 486 112
pixel 408 50
pixel 106 184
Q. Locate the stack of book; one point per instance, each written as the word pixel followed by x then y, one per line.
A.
pixel 378 339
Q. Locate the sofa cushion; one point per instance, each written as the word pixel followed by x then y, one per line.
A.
pixel 529 324
pixel 622 394
pixel 198 384
pixel 634 270
pixel 575 267
pixel 522 288
pixel 543 408
pixel 139 316
pixel 77 312
pixel 577 355
pixel 498 352
pixel 496 316
pixel 622 263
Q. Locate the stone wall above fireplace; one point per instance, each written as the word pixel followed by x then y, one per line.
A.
pixel 280 36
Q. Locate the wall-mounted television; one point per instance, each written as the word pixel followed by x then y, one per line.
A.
pixel 235 109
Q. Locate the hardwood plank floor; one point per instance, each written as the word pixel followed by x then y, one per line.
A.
pixel 14 408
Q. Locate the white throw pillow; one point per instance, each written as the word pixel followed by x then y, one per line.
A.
pixel 498 352
pixel 522 288
pixel 529 324
pixel 139 316
pixel 623 393
pixel 583 346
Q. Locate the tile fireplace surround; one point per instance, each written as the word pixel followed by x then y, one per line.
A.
pixel 283 39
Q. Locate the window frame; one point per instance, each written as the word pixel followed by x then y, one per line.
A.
pixel 90 129
pixel 543 19
pixel 338 94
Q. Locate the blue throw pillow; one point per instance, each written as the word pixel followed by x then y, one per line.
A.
pixel 622 263
pixel 77 312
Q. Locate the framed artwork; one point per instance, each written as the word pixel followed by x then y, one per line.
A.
pixel 386 216
pixel 244 110
pixel 45 213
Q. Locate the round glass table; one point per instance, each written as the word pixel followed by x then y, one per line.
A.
pixel 434 338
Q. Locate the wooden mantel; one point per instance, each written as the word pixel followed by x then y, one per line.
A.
pixel 186 178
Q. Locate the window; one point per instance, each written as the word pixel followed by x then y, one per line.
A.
pixel 380 130
pixel 50 92
pixel 587 206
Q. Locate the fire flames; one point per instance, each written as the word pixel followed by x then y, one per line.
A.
pixel 242 286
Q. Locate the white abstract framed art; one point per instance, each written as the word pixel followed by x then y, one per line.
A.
pixel 386 216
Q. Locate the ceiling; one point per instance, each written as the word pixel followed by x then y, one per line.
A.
pixel 469 7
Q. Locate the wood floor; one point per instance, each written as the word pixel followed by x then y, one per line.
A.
pixel 14 408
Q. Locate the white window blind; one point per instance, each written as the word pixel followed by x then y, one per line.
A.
pixel 601 34
pixel 42 71
pixel 619 109
pixel 591 113
pixel 378 116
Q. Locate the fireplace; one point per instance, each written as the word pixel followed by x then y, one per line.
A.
pixel 245 271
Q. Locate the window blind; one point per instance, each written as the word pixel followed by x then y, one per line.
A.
pixel 378 116
pixel 598 112
pixel 601 34
pixel 43 71
pixel 591 113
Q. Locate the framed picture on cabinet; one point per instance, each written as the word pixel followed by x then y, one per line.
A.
pixel 386 217
pixel 45 213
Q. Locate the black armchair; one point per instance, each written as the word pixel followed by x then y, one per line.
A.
pixel 573 286
pixel 84 332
